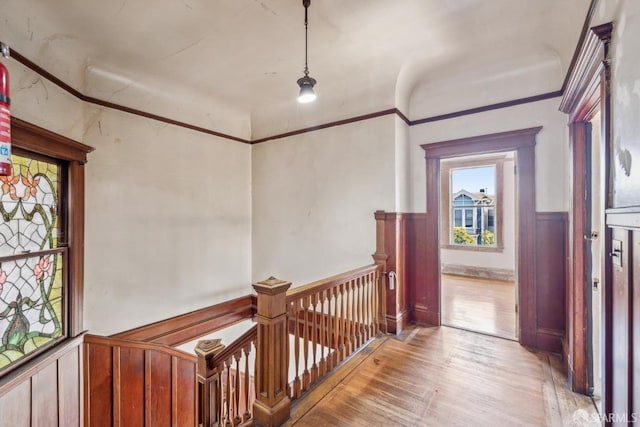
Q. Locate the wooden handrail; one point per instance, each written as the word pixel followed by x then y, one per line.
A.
pixel 225 391
pixel 120 342
pixel 328 283
pixel 241 342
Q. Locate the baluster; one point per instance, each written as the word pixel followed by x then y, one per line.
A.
pixel 220 397
pixel 314 338
pixel 305 343
pixel 367 307
pixel 333 342
pixel 359 282
pixel 377 288
pixel 336 326
pixel 229 401
pixel 236 393
pixel 356 325
pixel 296 348
pixel 323 330
pixel 350 326
pixel 247 415
pixel 340 320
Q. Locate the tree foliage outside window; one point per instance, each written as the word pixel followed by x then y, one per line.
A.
pixel 461 237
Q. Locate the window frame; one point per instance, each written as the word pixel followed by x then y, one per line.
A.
pixel 446 204
pixel 35 142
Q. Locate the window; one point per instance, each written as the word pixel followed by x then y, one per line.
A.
pixel 41 235
pixel 471 191
pixel 32 257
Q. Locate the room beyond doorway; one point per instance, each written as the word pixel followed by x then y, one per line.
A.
pixel 478 243
pixel 479 305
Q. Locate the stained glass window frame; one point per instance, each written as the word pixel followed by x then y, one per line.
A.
pixel 44 256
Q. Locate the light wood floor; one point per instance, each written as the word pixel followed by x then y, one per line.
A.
pixel 443 376
pixel 481 305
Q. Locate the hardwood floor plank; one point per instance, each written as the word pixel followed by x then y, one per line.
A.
pixel 481 305
pixel 444 377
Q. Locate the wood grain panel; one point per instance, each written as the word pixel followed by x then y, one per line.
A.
pixel 131 390
pixel 98 385
pixel 416 253
pixel 160 389
pixel 551 274
pixel 44 389
pixel 184 393
pixel 620 328
pixel 69 388
pixel 15 406
pixel 132 383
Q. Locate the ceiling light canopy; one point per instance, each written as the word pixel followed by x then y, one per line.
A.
pixel 306 83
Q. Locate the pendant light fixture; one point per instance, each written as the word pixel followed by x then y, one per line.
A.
pixel 306 83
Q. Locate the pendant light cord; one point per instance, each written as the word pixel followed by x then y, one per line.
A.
pixel 306 3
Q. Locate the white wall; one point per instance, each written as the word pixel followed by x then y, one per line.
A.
pixel 168 210
pixel 168 226
pixel 314 196
pixel 552 156
pixel 625 96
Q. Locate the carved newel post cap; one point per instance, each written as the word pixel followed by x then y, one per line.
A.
pixel 208 347
pixel 271 286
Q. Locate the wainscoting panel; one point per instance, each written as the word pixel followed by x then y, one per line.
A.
pixel 46 392
pixel 551 279
pixel 134 384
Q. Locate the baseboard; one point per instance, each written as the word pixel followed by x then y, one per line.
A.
pixel 549 340
pixel 500 274
pixel 187 327
pixel 422 315
pixel 395 324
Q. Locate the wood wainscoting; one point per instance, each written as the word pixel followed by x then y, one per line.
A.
pixel 128 383
pixel 622 317
pixel 416 296
pixel 552 253
pixel 47 392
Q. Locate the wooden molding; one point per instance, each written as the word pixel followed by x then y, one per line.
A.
pixel 39 140
pixel 484 108
pixel 492 143
pixel 186 327
pixel 107 104
pixel 581 38
pixel 523 141
pixel 587 69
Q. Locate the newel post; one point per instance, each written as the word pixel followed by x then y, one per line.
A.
pixel 209 387
pixel 272 405
pixel 380 258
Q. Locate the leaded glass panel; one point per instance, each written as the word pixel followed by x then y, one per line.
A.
pixel 31 264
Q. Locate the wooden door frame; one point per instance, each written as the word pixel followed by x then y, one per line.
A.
pixel 587 92
pixel 523 143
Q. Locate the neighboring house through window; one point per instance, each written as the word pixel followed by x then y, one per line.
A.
pixel 471 191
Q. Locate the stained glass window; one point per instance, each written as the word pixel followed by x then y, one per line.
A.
pixel 31 260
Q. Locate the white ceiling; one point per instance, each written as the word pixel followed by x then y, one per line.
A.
pixel 243 57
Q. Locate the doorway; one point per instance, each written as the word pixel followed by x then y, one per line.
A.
pixel 477 243
pixel 522 142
